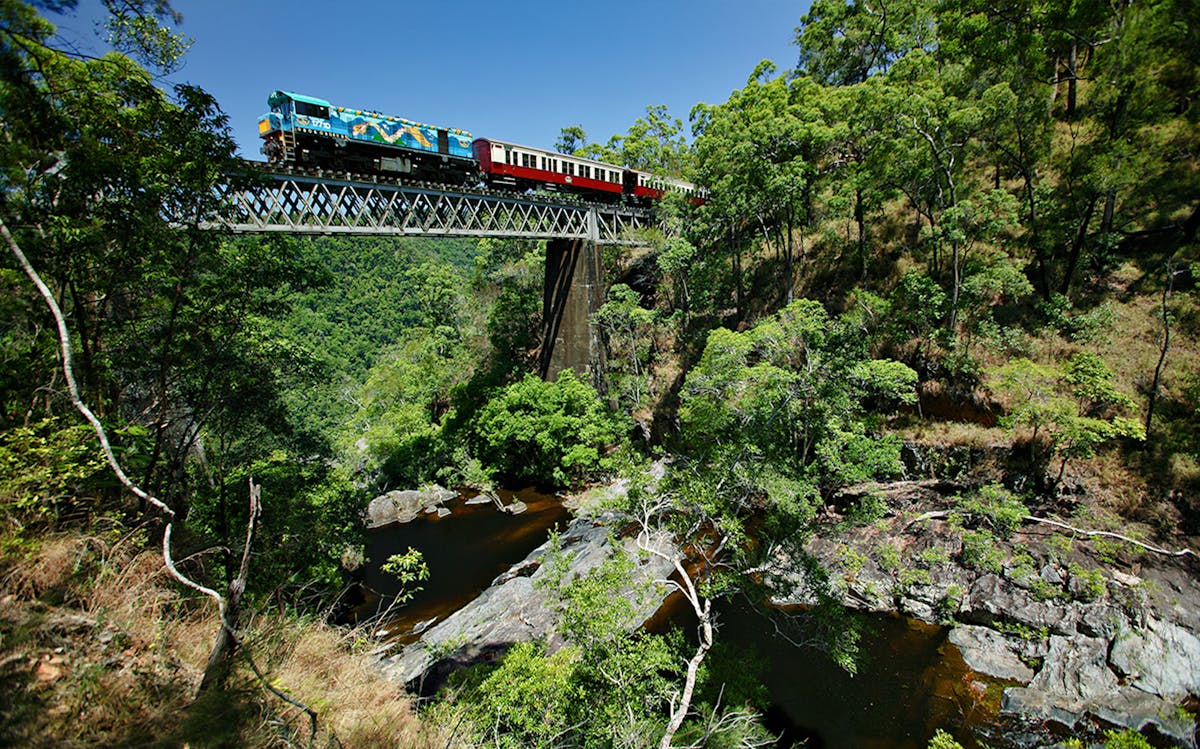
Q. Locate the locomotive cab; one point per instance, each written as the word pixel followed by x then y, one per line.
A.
pixel 290 116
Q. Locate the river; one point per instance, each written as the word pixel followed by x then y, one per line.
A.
pixel 910 681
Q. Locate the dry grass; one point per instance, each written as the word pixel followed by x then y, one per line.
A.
pixel 98 647
pixel 955 434
pixel 353 700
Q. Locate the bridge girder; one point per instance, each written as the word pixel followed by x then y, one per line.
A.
pixel 320 204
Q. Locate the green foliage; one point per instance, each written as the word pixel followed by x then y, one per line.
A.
pixel 47 467
pixel 528 700
pixel 406 402
pixel 1088 585
pixel 943 740
pixel 1126 739
pixel 550 432
pixel 980 552
pixel 608 686
pixel 1076 407
pixel 782 408
pixel 995 506
pixel 409 569
pixel 311 513
pixel 630 332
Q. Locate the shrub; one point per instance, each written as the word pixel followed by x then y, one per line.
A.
pixel 980 552
pixel 546 432
pixel 943 740
pixel 997 507
pixel 46 467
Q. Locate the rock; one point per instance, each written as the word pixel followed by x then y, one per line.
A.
pixel 1074 673
pixel 595 499
pixel 1162 659
pixel 1051 575
pixel 516 508
pixel 1075 670
pixel 1038 705
pixel 1132 708
pixel 1101 620
pixel 989 652
pixel 405 506
pixel 993 600
pixel 1129 581
pixel 442 512
pixel 517 609
pixel 481 499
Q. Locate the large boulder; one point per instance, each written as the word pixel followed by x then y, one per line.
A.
pixel 991 653
pixel 405 506
pixel 515 608
pixel 1161 658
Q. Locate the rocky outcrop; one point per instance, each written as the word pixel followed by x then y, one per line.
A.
pixel 986 652
pixel 406 506
pixel 1077 639
pixel 517 608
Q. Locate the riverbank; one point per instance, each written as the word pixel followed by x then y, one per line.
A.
pixel 1049 634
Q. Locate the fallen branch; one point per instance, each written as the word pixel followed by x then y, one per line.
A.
pixel 942 514
pixel 931 515
pixel 1109 534
pixel 64 340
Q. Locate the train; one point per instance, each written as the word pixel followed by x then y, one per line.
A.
pixel 305 131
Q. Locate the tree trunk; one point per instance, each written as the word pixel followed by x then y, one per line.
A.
pixel 1077 245
pixel 860 222
pixel 680 710
pixel 788 262
pixel 1152 398
pixel 1072 80
pixel 220 659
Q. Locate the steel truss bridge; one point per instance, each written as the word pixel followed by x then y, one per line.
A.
pixel 296 202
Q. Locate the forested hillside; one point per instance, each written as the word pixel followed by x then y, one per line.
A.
pixel 930 347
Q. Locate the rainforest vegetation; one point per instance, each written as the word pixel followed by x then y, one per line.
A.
pixel 945 222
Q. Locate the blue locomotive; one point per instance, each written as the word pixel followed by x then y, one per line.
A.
pixel 306 131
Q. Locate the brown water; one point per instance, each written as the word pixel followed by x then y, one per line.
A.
pixel 465 551
pixel 910 681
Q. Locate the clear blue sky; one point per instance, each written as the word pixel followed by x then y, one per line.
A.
pixel 517 71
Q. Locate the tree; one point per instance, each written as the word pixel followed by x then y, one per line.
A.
pixel 104 181
pixel 1076 407
pixel 571 140
pixel 654 143
pixel 629 329
pixel 772 418
pixel 843 43
pixel 553 433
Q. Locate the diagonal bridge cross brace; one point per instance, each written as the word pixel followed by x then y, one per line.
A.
pixel 307 204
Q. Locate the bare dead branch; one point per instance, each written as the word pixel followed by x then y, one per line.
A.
pixel 64 339
pixel 1109 534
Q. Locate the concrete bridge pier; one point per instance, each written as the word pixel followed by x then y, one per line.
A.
pixel 574 290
